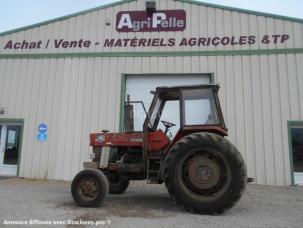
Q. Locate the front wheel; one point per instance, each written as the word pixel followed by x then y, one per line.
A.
pixel 206 172
pixel 117 183
pixel 89 187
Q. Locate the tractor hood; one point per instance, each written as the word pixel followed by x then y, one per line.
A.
pixel 116 139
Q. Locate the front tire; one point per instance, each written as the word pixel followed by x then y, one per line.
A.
pixel 117 183
pixel 206 172
pixel 89 187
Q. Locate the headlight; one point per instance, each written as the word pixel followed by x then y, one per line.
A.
pixel 100 138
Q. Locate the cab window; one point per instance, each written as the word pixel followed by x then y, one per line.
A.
pixel 199 107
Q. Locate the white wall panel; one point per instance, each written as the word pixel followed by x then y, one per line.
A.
pixel 78 96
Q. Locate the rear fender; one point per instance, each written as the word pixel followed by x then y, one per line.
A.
pixel 187 130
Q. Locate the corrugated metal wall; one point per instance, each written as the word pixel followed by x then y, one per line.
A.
pixel 77 96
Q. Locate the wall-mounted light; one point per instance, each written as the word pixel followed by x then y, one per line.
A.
pixel 2 110
pixel 150 6
pixel 107 22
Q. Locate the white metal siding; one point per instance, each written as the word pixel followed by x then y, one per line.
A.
pixel 77 96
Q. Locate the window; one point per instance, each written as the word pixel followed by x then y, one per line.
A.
pixel 171 113
pixel 199 107
pixel 12 145
pixel 297 147
pixel 296 144
pixel 155 113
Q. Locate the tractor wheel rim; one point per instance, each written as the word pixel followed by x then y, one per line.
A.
pixel 203 172
pixel 88 188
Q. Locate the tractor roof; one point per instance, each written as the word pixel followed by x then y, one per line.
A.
pixel 173 88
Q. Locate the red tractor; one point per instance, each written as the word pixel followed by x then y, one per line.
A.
pixel 201 169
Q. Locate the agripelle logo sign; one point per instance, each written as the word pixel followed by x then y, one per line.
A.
pixel 160 21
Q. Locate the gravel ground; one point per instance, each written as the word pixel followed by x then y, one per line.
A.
pixel 144 206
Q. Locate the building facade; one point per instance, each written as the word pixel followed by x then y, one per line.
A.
pixel 67 77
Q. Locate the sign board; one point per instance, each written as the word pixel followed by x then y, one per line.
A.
pixel 42 128
pixel 42 133
pixel 160 21
pixel 141 24
pixel 41 137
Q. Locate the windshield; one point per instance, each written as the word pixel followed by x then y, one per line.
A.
pixel 155 113
pixel 199 107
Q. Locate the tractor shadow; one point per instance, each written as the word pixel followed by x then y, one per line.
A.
pixel 131 204
pixel 146 205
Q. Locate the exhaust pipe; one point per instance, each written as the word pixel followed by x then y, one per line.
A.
pixel 128 116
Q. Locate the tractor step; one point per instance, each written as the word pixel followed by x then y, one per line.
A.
pixel 153 166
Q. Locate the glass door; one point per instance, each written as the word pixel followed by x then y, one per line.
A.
pixel 9 149
pixel 297 152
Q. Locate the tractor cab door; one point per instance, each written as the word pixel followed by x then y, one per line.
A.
pixel 162 122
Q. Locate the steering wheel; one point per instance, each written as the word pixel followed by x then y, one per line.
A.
pixel 167 125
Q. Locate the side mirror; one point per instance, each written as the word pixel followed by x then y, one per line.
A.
pixel 153 92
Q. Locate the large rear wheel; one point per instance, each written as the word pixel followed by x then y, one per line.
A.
pixel 206 172
pixel 89 187
pixel 167 183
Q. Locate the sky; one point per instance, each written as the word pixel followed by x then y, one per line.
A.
pixel 18 13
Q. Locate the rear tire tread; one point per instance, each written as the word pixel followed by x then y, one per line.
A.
pixel 168 186
pixel 238 183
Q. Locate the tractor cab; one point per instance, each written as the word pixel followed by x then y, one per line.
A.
pixel 199 111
